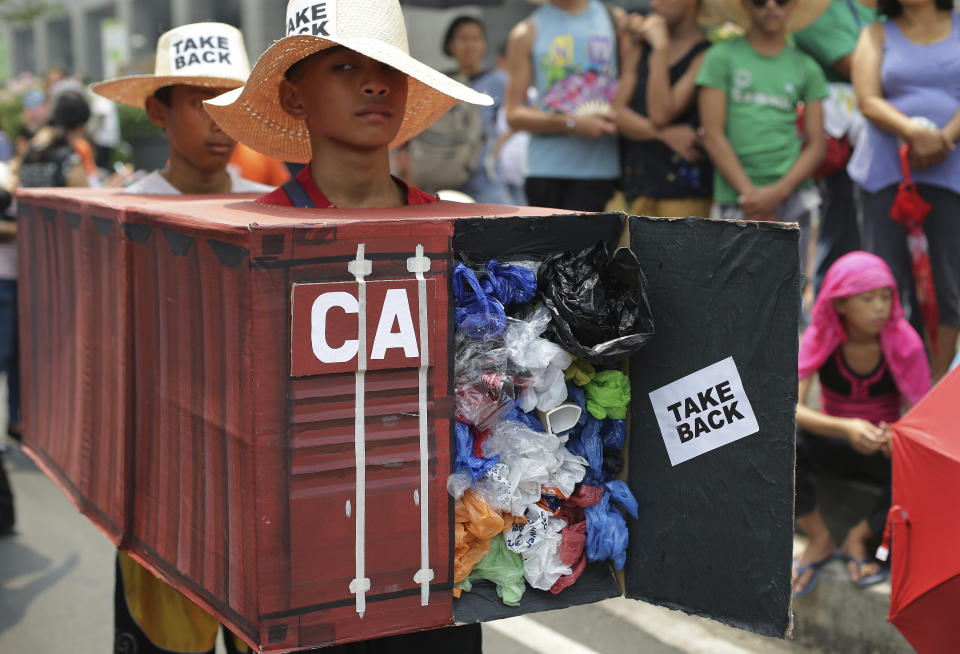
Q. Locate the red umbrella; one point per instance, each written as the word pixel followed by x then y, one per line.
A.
pixel 925 522
pixel 910 210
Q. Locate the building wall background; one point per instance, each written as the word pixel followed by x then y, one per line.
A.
pixel 73 36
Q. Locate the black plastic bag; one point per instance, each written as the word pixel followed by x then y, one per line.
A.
pixel 598 303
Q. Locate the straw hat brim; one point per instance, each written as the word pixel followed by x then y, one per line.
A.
pixel 133 90
pixel 252 114
pixel 717 12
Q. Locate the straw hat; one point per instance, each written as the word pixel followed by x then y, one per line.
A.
pixel 716 12
pixel 373 28
pixel 199 54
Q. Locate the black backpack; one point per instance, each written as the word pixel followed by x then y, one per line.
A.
pixel 49 164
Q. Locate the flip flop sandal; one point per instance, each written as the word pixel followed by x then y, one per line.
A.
pixel 815 566
pixel 868 580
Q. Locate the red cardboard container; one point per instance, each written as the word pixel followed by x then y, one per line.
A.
pixel 192 380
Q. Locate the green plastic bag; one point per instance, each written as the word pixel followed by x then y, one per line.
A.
pixel 502 567
pixel 608 395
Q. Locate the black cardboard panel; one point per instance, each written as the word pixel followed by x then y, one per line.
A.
pixel 714 536
pixel 477 240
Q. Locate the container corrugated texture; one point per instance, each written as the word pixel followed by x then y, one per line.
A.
pixel 74 289
pixel 262 463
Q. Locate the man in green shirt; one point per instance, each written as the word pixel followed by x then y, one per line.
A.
pixel 749 91
pixel 830 40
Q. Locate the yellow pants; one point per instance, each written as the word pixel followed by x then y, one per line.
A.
pixel 167 618
pixel 670 207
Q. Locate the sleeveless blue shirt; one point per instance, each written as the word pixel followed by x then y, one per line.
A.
pixel 574 69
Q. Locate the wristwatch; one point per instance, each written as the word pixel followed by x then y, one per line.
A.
pixel 571 123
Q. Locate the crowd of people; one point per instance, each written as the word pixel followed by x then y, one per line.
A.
pixel 806 111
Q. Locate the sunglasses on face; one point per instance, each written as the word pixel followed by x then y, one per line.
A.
pixel 763 3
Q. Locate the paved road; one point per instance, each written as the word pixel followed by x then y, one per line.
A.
pixel 56 587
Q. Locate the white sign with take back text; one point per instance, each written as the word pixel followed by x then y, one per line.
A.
pixel 703 411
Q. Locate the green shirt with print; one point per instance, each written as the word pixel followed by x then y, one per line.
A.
pixel 834 34
pixel 762 98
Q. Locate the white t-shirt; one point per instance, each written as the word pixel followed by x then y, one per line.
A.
pixel 157 184
pixel 104 122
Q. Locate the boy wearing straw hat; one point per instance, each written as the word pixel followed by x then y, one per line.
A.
pixel 337 92
pixel 193 62
pixel 749 91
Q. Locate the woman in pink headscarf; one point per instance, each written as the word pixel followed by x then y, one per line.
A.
pixel 871 363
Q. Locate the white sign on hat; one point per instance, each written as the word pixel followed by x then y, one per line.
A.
pixel 312 17
pixel 210 55
pixel 204 49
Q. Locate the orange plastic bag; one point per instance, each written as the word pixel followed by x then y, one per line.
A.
pixel 476 524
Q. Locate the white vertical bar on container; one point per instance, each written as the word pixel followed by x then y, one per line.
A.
pixel 360 585
pixel 420 264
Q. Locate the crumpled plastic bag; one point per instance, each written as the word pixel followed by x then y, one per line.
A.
pixel 547 390
pixel 528 460
pixel 484 383
pixel 598 302
pixel 579 372
pixel 569 472
pixel 510 284
pixel 608 395
pixel 476 313
pixel 475 524
pixel 538 541
pixel 466 458
pixel 572 553
pixel 607 535
pixel 598 441
pixel 544 360
pixel 531 420
pixel 504 568
pixel 572 509
pixel 613 433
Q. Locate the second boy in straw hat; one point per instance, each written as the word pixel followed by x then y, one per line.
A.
pixel 193 62
pixel 338 91
pixel 749 91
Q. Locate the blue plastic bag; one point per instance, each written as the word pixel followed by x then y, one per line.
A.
pixel 466 459
pixel 607 535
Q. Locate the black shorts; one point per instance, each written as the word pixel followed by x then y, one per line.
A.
pixel 570 194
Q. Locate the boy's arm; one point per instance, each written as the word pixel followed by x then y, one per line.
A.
pixel 929 146
pixel 864 436
pixel 629 123
pixel 713 117
pixel 520 116
pixel 666 102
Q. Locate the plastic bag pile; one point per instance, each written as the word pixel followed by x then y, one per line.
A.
pixel 535 505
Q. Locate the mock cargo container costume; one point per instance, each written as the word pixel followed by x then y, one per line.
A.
pixel 252 452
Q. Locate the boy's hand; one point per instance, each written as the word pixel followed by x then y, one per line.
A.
pixel 865 437
pixel 594 126
pixel 682 139
pixel 654 31
pixel 759 202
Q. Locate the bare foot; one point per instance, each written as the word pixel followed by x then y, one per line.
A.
pixel 860 564
pixel 817 550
